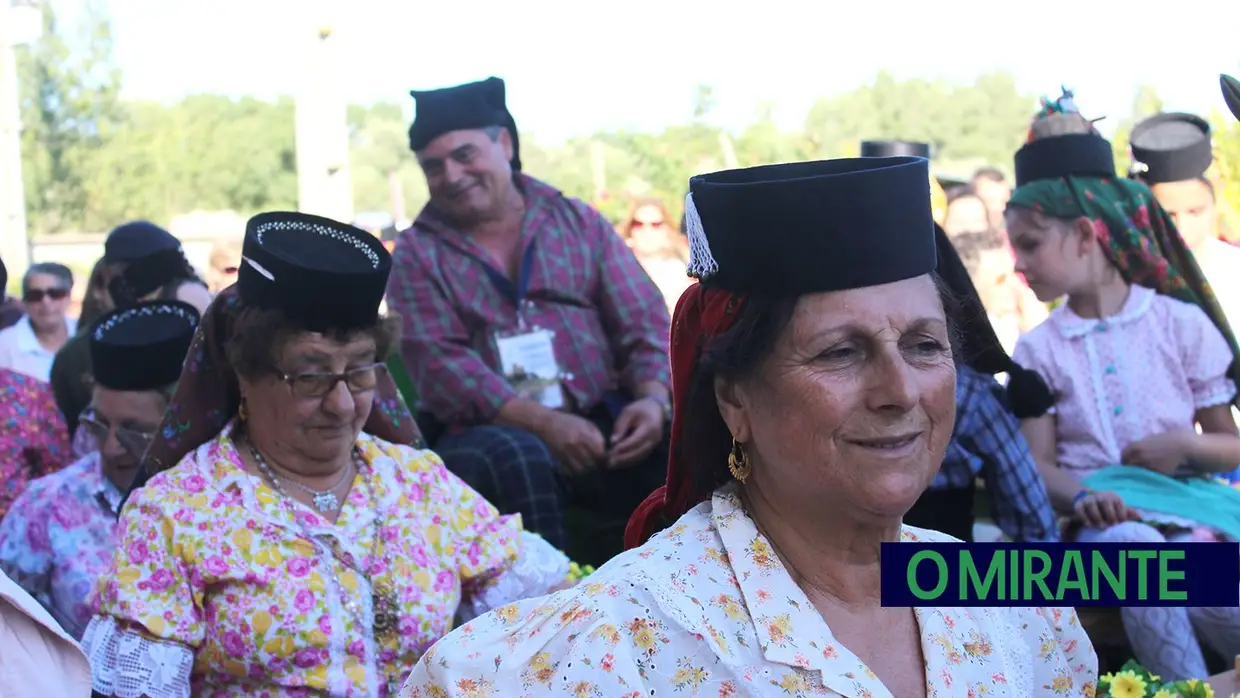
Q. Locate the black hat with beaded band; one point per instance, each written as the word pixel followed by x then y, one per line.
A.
pixel 322 274
pixel 1231 94
pixel 889 149
pixel 474 105
pixel 811 227
pixel 1172 147
pixel 142 347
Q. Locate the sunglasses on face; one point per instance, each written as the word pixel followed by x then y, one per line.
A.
pixel 35 295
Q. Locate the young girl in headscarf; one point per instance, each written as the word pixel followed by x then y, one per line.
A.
pixel 1136 358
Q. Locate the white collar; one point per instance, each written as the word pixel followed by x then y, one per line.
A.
pixel 1071 325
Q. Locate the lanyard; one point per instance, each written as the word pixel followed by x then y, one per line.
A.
pixel 514 292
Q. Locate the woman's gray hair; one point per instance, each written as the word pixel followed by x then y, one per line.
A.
pixel 54 269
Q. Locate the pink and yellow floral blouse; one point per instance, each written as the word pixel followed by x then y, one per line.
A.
pixel 706 608
pixel 1143 371
pixel 219 590
pixel 33 438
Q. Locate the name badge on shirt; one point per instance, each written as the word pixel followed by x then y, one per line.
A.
pixel 528 361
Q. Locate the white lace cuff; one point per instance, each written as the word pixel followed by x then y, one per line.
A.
pixel 127 664
pixel 538 569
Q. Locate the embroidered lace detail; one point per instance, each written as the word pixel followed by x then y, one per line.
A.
pixel 1014 647
pixel 538 569
pixel 702 262
pixel 126 664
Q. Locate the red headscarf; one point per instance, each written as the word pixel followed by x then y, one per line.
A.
pixel 701 315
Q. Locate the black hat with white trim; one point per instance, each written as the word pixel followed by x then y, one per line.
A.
pixel 324 275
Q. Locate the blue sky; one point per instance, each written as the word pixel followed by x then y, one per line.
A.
pixel 574 67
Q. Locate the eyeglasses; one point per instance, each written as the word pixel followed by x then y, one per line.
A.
pixel 134 441
pixel 35 295
pixel 318 384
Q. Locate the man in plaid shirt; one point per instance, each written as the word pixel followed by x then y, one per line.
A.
pixel 500 265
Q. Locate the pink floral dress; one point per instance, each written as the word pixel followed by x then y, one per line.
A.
pixel 218 589
pixel 706 608
pixel 33 438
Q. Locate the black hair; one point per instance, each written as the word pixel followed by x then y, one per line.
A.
pixel 737 354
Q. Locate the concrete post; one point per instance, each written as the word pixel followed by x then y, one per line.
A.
pixel 324 184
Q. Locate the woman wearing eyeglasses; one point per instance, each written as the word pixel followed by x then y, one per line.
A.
pixel 289 540
pixel 29 346
pixel 59 536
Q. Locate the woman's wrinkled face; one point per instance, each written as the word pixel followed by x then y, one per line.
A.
pixel 123 424
pixel 315 408
pixel 856 404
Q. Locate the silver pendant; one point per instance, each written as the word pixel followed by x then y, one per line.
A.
pixel 326 501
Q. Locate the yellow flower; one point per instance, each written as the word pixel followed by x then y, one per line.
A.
pixel 1162 693
pixel 1127 685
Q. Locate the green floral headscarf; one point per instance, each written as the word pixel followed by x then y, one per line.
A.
pixel 1136 234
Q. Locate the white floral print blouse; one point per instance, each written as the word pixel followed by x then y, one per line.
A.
pixel 706 608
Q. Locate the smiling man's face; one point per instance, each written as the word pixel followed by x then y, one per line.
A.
pixel 468 173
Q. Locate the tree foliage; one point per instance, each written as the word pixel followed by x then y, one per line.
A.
pixel 92 160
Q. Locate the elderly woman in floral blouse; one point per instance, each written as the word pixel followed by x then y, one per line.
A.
pixel 60 535
pixel 814 385
pixel 289 541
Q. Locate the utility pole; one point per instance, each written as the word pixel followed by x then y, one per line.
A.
pixel 324 184
pixel 21 22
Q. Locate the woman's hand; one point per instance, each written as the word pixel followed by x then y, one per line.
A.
pixel 1103 510
pixel 1163 453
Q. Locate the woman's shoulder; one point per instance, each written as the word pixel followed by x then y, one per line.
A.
pixel 1040 340
pixel 1177 315
pixel 82 472
pixel 591 632
pixel 197 472
pixel 406 460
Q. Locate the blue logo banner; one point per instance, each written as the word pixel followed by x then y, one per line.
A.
pixel 1060 574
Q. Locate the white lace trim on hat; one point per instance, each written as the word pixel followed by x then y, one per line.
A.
pixel 702 263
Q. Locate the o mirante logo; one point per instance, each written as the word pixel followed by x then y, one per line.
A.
pixel 1060 574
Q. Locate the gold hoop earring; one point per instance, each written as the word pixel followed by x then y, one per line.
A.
pixel 738 462
pixel 243 414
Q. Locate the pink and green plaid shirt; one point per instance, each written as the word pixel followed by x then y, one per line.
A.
pixel 611 323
